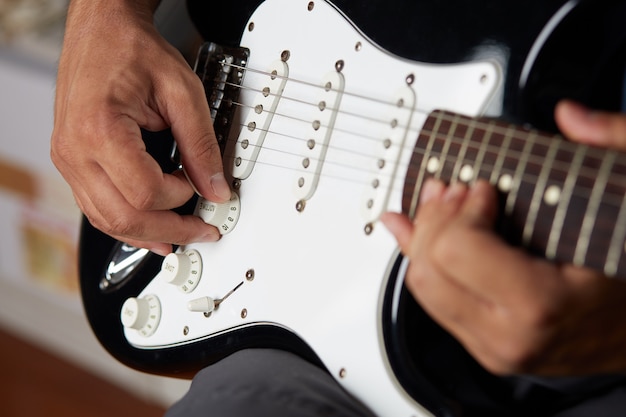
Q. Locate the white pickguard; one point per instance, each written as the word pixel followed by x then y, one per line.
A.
pixel 316 272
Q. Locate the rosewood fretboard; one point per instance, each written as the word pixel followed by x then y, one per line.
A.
pixel 560 200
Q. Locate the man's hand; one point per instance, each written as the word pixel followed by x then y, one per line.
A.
pixel 513 313
pixel 117 75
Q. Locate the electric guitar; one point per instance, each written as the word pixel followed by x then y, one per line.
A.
pixel 330 114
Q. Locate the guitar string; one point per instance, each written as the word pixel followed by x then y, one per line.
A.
pixel 494 129
pixel 526 177
pixel 457 140
pixel 610 198
pixel 544 139
pixel 488 149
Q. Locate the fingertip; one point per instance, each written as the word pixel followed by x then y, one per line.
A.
pixel 212 236
pixel 481 205
pixel 220 187
pixel 456 191
pixel 212 186
pixel 577 122
pixel 399 226
pixel 431 189
pixel 571 109
pixel 161 249
pixel 482 188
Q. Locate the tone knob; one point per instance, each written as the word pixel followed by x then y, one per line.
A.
pixel 142 314
pixel 182 269
pixel 224 216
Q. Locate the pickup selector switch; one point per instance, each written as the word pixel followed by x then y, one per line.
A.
pixel 202 305
pixel 142 314
pixel 182 269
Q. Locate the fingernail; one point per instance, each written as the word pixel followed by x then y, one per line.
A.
pixel 220 186
pixel 432 188
pixel 211 237
pixel 580 111
pixel 160 251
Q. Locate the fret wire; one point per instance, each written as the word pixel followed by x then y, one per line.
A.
pixel 511 197
pixel 480 123
pixel 501 154
pixel 420 179
pixel 610 198
pixel 446 146
pixel 463 151
pixel 616 247
pixel 529 225
pixel 491 127
pixel 561 211
pixel 593 205
pixel 561 165
pixel 542 139
pixel 499 126
pixel 482 149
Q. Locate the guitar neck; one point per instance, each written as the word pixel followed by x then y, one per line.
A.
pixel 560 200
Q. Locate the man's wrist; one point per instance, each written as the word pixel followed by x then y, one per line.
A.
pixel 88 9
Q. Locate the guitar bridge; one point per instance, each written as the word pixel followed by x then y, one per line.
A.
pixel 221 70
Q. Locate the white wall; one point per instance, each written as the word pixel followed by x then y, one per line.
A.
pixel 39 225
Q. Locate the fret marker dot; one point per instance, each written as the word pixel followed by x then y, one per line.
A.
pixel 433 165
pixel 552 195
pixel 467 173
pixel 505 183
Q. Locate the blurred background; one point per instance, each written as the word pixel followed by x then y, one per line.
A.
pixel 50 361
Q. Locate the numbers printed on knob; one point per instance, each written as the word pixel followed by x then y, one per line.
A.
pixel 182 269
pixel 142 314
pixel 224 216
pixel 195 271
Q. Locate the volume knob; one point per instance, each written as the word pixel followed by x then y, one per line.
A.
pixel 182 269
pixel 141 314
pixel 224 216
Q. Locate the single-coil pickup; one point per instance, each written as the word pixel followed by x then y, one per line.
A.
pixel 258 120
pixel 317 134
pixel 386 155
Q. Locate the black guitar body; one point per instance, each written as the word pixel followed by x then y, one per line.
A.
pixel 580 55
pixel 583 59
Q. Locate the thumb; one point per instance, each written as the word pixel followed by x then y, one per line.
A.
pixel 400 227
pixel 583 125
pixel 192 128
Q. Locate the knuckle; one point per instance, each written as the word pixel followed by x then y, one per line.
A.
pixel 95 221
pixel 444 250
pixel 495 364
pixel 516 358
pixel 508 358
pixel 187 231
pixel 520 352
pixel 123 225
pixel 60 149
pixel 144 199
pixel 416 277
pixel 204 146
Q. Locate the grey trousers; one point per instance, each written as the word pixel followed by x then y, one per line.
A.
pixel 266 382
